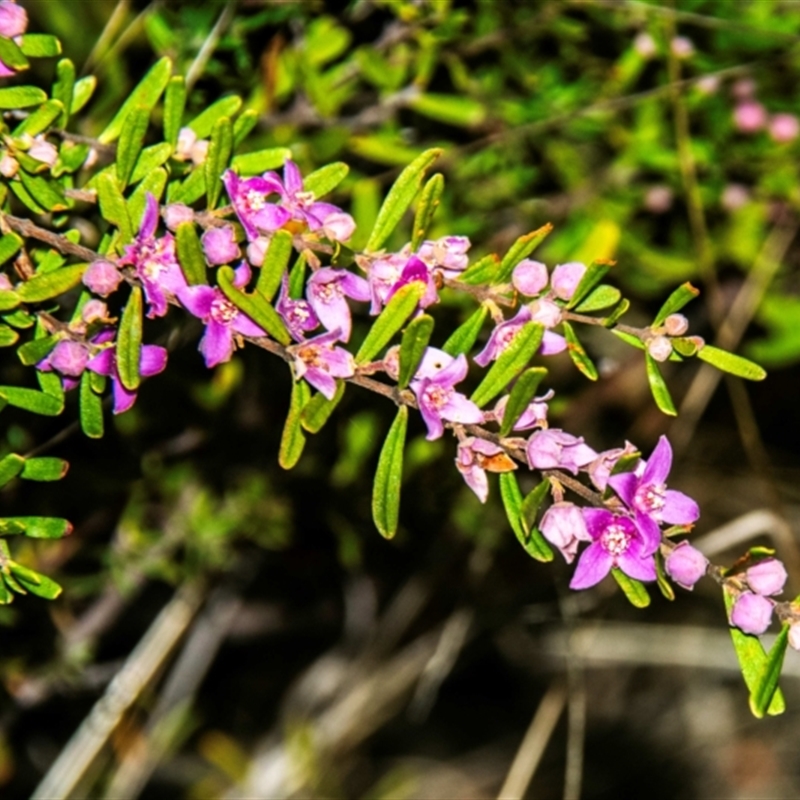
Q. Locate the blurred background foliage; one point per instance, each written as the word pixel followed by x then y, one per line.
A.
pixel 309 657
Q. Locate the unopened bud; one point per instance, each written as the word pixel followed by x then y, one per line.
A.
pixel 686 565
pixel 199 152
pixel 43 151
pixel 8 166
pixel 752 613
pixel 175 214
pixel 794 636
pixel 676 324
pixel 660 348
pixel 767 577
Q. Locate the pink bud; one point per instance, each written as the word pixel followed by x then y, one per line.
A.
pixel 69 358
pixel 43 151
pixel 734 196
pixel 199 152
pixel 186 141
pixel 219 245
pixel 530 277
pixel 767 577
pixel 8 166
pixel 752 613
pixel 338 227
pixel 564 526
pixel 784 127
pixel 13 19
pixel 658 199
pixel 794 636
pixel 686 565
pixel 744 89
pixel 682 47
pixel 256 251
pixel 676 324
pixel 546 312
pixel 102 277
pixel 566 278
pixel 749 117
pixel 660 348
pixel 94 311
pixel 644 45
pixel 177 213
pixel 708 84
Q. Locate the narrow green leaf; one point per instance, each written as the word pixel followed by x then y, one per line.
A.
pixel 36 527
pixel 5 596
pixel 729 362
pixel 203 124
pixel 531 504
pixel 10 244
pixel 521 249
pixel 45 468
pixel 390 320
pixel 611 319
pixel 8 336
pixel 465 335
pixel 190 254
pixel 91 408
pixel 276 261
pixel 297 278
pixel 658 386
pixel 64 88
pixel 533 542
pixel 685 345
pixel 12 97
pixel 50 384
pixel 11 55
pixel 661 578
pixel 752 660
pixel 245 123
pixel 255 163
pixel 146 95
pixel 219 154
pixel 192 189
pixel 521 396
pixel 154 184
pixel 629 338
pixel 602 296
pixel 483 271
pixel 675 302
pixel 426 209
pixel 131 141
pixel 129 341
pixel 10 467
pixel 33 401
pixel 40 45
pixel 113 206
pixel 767 681
pixel 412 347
pixel 37 584
pixel 174 104
pixel 326 179
pixel 255 305
pixel 41 119
pixel 8 300
pixel 293 440
pixel 595 273
pixel 319 409
pixel 578 354
pixel 389 477
pixel 34 351
pixel 44 190
pixel 400 197
pixel 634 590
pixel 510 363
pixel 25 197
pixel 84 89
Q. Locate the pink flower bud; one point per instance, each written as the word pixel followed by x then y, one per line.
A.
pixel 8 166
pixel 186 141
pixel 658 199
pixel 43 151
pixel 794 636
pixel 256 251
pixel 13 19
pixel 749 116
pixel 530 277
pixel 752 613
pixel 686 565
pixel 660 348
pixel 176 214
pixel 767 577
pixel 676 324
pixel 566 278
pixel 645 45
pixel 199 152
pixel 734 196
pixel 94 311
pixel 564 526
pixel 708 84
pixel 338 227
pixel 102 277
pixel 546 312
pixel 784 127
pixel 682 47
pixel 69 358
pixel 219 245
pixel 744 89
pixel 91 158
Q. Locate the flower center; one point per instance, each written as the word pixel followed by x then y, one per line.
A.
pixel 650 499
pixel 304 199
pixel 222 310
pixel 254 200
pixel 151 268
pixel 437 396
pixel 328 292
pixel 506 336
pixel 615 540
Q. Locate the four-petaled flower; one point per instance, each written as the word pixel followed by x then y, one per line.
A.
pixel 298 314
pixel 319 361
pixel 326 292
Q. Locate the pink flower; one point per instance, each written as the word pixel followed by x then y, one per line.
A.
pixel 554 449
pixel 752 613
pixel 475 457
pixel 320 362
pixel 326 292
pixel 13 19
pixel 686 565
pixel 563 525
pixel 784 127
pixel 749 116
pixel 219 245
pixel 102 277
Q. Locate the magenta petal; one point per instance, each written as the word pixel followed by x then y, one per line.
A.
pixel 593 565
pixel 355 286
pixel 123 398
pixel 103 362
pixel 597 520
pixel 216 344
pixel 459 409
pixel 321 381
pixel 153 359
pixel 643 569
pixel 453 373
pixel 292 177
pixel 679 509
pixel 149 222
pixel 241 323
pixel 242 275
pixel 625 485
pixel 270 218
pixel 333 313
pixel 650 532
pixel 659 463
pixel 432 420
pixel 197 300
pixel 552 344
pixel 340 363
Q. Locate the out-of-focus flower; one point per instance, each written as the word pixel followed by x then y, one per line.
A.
pixel 43 151
pixel 9 166
pixel 752 613
pixel 189 147
pixel 682 47
pixel 686 565
pixel 749 116
pixel 658 199
pixel 734 196
pixel 784 127
pixel 794 636
pixel 676 324
pixel 564 526
pixel 645 45
pixel 176 214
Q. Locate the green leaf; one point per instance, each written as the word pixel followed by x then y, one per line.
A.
pixel 389 477
pixel 520 250
pixel 510 363
pixel 319 409
pixel 602 296
pixel 255 305
pixel 40 45
pixel 50 284
pixel 533 542
pixel 41 119
pixel 675 302
pixel 113 206
pixel 685 345
pixel 530 505
pixel 10 467
pixel 64 88
pixel 84 89
pixel 729 362
pixel 578 354
pixel 611 319
pixel 8 336
pixel 44 468
pixel 595 272
pixel 629 338
pixel 36 527
pixel 412 347
pixel 293 440
pixel 661 578
pixel 10 244
pixel 753 661
pixel 634 590
pixel 390 320
pixel 5 596
pixel 400 197
pixel 129 341
pixel 521 396
pixel 203 124
pixel 34 351
pixel 326 179
pixel 11 55
pixel 131 140
pixel 190 254
pixel 174 104
pixel 276 261
pixel 658 386
pixel 245 123
pixel 426 209
pixel 465 335
pixel 248 164
pixel 297 278
pixel 767 682
pixel 219 154
pixel 145 95
pixel 25 197
pixel 91 408
pixel 45 191
pixel 37 584
pixel 451 109
pixel 154 184
pixel 192 189
pixel 13 97
pixel 483 271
